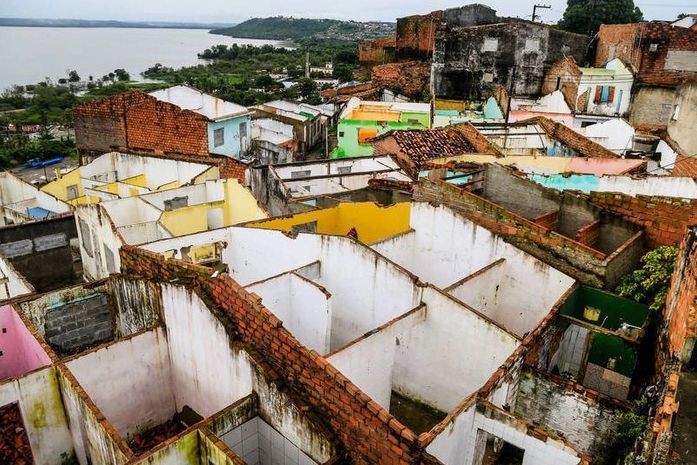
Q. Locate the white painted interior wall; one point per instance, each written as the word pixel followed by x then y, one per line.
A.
pixel 302 305
pixel 369 362
pixel 130 381
pixel 367 290
pixel 445 247
pixel 451 341
pixel 38 391
pixel 457 444
pixel 16 284
pixel 206 376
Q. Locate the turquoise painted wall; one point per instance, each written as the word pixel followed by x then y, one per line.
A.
pixel 232 145
pixel 347 135
pixel 583 182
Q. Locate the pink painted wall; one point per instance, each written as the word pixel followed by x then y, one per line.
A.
pixel 21 352
pixel 601 166
pixel 566 119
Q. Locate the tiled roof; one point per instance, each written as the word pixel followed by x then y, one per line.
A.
pixel 424 145
pixel 14 442
pixel 572 139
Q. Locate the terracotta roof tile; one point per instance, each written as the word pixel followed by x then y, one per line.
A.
pixel 14 442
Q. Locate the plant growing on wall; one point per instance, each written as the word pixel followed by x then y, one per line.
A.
pixel 649 284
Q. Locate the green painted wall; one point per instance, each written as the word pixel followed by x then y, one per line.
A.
pixel 347 134
pixel 614 310
pixel 424 119
pixel 603 347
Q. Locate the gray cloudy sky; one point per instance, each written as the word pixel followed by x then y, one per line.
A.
pixel 238 10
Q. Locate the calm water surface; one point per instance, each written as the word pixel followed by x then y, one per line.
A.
pixel 31 54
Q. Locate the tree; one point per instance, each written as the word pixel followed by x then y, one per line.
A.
pixel 344 73
pixel 264 81
pixel 346 56
pixel 306 86
pixel 586 16
pixel 73 76
pixel 649 284
pixel 122 75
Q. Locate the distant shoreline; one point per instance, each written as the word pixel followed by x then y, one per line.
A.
pixel 100 24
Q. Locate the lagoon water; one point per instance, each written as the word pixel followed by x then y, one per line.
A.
pixel 31 54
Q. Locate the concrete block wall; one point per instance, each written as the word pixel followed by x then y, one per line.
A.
pixel 30 256
pixel 368 432
pixel 79 324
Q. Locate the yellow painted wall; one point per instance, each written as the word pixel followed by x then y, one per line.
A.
pixel 187 220
pixel 136 181
pixel 59 187
pixel 112 188
pixel 373 222
pixel 170 185
pixel 84 200
pixel 240 204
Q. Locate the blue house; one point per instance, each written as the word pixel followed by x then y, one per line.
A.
pixel 229 124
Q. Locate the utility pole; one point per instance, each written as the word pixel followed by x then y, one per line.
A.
pixel 307 63
pixel 508 108
pixel 534 10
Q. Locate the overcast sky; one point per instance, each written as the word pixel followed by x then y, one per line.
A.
pixel 239 10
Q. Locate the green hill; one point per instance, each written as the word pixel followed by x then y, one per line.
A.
pixel 282 28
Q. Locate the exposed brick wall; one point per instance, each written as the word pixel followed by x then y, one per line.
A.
pixel 564 75
pixel 632 44
pixel 367 431
pixel 162 128
pixel 664 218
pixel 231 168
pixel 410 78
pixel 589 234
pixel 100 126
pixel 548 220
pixel 377 51
pixel 416 36
pixel 681 305
pixel 137 121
